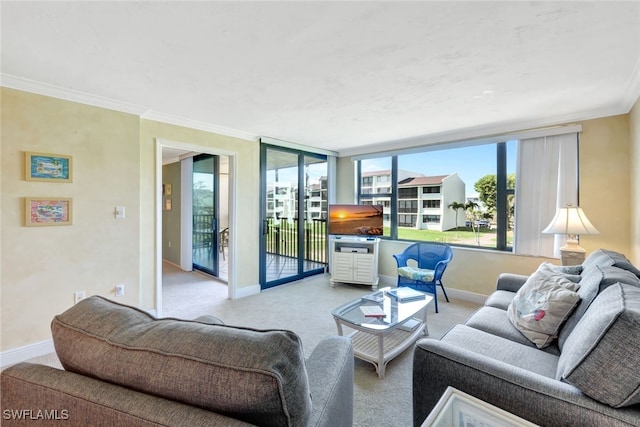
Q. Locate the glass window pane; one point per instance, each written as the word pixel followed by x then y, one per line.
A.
pixel 512 155
pixel 375 186
pixel 450 194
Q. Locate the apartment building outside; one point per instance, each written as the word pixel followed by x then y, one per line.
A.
pixel 423 201
pixel 282 200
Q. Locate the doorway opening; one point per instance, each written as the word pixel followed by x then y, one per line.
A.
pixel 194 222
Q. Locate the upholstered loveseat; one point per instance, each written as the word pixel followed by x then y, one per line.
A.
pixel 584 372
pixel 123 367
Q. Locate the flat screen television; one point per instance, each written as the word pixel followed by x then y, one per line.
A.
pixel 355 220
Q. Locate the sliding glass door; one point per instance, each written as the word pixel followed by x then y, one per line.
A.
pixel 294 207
pixel 205 213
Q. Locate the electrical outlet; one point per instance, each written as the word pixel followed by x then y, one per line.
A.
pixel 119 290
pixel 79 296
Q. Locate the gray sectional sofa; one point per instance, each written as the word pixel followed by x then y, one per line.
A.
pixel 124 367
pixel 586 372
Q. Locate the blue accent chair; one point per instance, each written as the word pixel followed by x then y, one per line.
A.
pixel 425 274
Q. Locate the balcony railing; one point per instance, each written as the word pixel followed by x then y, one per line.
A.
pixel 282 238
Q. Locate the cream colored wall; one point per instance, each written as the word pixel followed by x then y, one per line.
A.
pixel 114 164
pixel 42 267
pixel 634 130
pixel 171 219
pixel 247 201
pixel 605 195
pixel 605 182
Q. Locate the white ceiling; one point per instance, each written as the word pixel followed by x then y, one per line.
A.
pixel 337 75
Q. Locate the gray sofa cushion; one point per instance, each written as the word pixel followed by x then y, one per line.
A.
pixel 498 348
pixel 605 257
pixel 572 270
pixel 601 357
pixel 495 322
pixel 621 261
pixel 599 257
pixel 594 281
pixel 612 275
pixel 500 299
pixel 255 376
pixel 589 288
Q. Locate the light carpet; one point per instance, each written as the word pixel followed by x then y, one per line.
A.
pixel 304 307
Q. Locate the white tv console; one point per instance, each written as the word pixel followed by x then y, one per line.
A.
pixel 354 260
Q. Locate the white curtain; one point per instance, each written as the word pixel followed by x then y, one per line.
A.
pixel 547 179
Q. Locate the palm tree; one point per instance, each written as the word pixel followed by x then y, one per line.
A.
pixel 470 207
pixel 456 206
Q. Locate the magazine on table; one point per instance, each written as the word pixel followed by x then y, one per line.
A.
pixel 374 297
pixel 372 311
pixel 405 294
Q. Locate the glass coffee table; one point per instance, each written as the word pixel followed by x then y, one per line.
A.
pixel 378 340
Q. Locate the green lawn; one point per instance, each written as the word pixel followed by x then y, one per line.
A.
pixel 463 235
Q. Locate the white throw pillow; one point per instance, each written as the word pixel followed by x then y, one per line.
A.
pixel 542 304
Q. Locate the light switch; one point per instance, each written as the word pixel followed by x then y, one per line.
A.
pixel 119 212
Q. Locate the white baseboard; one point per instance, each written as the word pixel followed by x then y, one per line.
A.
pixel 21 354
pixel 451 292
pixel 246 291
pixel 466 295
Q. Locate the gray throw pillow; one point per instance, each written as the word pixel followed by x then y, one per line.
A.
pixel 572 270
pixel 542 304
pixel 255 376
pixel 589 289
pixel 613 275
pixel 622 262
pixel 601 357
pixel 594 281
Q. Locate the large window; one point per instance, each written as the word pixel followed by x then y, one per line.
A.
pixel 468 193
pixel 496 192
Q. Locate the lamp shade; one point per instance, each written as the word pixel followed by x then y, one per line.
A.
pixel 570 220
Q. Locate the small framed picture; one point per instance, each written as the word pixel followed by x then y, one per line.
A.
pixel 41 211
pixel 48 167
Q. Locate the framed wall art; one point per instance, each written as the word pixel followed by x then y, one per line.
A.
pixel 41 211
pixel 48 167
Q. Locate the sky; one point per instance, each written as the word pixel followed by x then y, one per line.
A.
pixel 471 163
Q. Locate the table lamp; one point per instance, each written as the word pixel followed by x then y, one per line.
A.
pixel 571 221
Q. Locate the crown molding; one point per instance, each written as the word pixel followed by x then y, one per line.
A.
pixel 632 94
pixel 32 86
pixel 195 124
